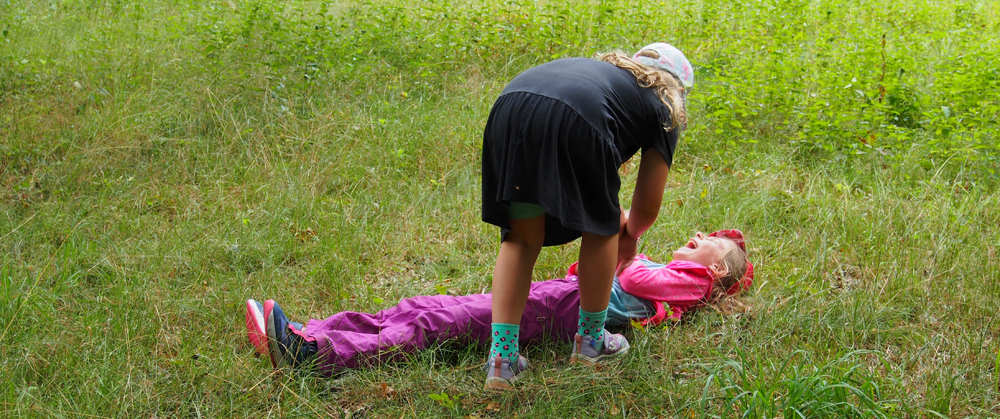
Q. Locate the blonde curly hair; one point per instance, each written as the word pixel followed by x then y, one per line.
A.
pixel 667 87
pixel 734 263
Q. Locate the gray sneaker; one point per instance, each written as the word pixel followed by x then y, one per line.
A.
pixel 585 353
pixel 500 374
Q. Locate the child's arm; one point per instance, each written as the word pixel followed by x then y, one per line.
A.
pixel 646 200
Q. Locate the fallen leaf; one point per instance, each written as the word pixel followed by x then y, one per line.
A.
pixel 387 392
pixel 303 235
pixel 357 412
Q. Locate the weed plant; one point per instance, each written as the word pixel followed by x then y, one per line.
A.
pixel 163 161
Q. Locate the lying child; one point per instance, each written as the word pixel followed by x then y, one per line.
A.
pixel 706 270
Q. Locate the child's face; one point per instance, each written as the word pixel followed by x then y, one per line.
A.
pixel 703 250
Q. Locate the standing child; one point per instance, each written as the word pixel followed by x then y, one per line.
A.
pixel 552 147
pixel 705 270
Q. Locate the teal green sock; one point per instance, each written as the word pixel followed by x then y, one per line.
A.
pixel 505 341
pixel 592 324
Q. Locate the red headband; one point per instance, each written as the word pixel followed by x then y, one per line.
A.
pixel 737 237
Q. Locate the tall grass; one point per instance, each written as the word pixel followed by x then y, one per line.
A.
pixel 163 161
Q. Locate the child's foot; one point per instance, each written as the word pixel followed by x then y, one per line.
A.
pixel 285 347
pixel 500 374
pixel 256 332
pixel 255 326
pixel 585 353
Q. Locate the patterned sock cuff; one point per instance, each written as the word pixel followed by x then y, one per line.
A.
pixel 504 340
pixel 592 324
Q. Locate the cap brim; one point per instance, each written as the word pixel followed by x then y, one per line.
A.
pixel 734 235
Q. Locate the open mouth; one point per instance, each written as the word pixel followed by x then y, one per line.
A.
pixel 691 244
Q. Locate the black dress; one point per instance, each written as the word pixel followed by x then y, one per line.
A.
pixel 556 137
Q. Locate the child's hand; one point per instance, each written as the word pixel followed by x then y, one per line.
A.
pixel 628 247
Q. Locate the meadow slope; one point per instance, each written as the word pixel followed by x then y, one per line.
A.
pixel 163 161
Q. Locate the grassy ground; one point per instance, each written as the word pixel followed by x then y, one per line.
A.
pixel 163 161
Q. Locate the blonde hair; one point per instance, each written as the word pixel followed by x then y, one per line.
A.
pixel 735 263
pixel 667 87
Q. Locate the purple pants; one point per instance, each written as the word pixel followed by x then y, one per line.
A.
pixel 349 339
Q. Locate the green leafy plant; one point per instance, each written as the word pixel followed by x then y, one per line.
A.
pixel 450 402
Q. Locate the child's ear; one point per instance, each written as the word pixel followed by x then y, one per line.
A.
pixel 718 270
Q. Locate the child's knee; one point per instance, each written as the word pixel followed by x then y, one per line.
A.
pixel 529 232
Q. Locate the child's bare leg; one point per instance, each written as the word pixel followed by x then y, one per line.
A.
pixel 515 262
pixel 596 270
pixel 595 275
pixel 511 286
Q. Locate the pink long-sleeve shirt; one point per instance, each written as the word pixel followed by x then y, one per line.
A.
pixel 674 288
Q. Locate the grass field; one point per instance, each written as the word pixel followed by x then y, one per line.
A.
pixel 163 161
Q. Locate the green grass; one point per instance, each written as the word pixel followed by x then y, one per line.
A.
pixel 163 161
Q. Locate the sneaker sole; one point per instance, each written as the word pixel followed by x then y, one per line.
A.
pixel 497 383
pixel 271 335
pixel 255 327
pixel 588 361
